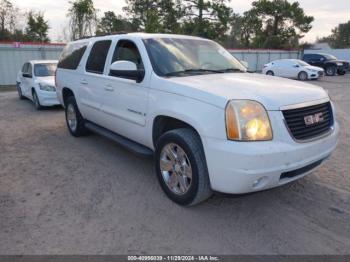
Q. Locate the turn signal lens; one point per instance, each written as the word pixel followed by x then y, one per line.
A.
pixel 247 120
pixel 231 123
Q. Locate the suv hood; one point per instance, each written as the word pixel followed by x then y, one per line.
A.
pixel 217 89
pixel 338 61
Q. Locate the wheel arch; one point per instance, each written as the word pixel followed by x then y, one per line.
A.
pixel 164 123
pixel 66 93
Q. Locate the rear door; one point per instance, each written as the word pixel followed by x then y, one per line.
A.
pixel 278 68
pixel 93 82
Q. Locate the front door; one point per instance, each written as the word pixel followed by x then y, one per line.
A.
pixel 125 103
pixel 27 79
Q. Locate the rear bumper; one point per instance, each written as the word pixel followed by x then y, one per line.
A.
pixel 243 167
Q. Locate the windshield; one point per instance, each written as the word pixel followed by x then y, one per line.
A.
pixel 42 70
pixel 302 63
pixel 329 57
pixel 182 57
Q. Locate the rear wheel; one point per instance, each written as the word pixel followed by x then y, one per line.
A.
pixel 36 101
pixel 75 121
pixel 302 76
pixel 270 73
pixel 331 70
pixel 181 167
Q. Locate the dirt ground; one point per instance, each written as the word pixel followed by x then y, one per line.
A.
pixel 63 195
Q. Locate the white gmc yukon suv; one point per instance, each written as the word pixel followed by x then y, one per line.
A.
pixel 210 124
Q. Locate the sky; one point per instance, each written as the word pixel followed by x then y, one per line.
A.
pixel 328 14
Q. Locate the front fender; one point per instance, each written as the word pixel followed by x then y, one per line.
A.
pixel 207 119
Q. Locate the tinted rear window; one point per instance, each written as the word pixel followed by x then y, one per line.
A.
pixel 97 58
pixel 71 56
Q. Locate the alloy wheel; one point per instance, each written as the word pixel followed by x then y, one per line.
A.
pixel 175 168
pixel 71 117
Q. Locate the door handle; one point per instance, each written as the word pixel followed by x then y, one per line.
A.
pixel 109 88
pixel 84 82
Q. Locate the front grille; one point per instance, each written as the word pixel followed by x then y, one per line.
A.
pixel 302 129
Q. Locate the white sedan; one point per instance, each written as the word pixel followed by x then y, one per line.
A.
pixel 293 68
pixel 36 81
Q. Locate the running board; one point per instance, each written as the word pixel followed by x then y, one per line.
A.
pixel 122 141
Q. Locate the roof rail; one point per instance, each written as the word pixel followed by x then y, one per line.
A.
pixel 113 33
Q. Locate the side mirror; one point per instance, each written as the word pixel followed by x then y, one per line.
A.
pixel 127 70
pixel 245 64
pixel 27 75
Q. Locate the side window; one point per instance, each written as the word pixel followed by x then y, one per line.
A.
pixel 30 69
pixel 310 57
pixel 25 68
pixel 317 57
pixel 71 55
pixel 127 50
pixel 97 58
pixel 321 58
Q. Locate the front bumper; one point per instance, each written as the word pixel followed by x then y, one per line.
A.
pixel 47 98
pixel 243 167
pixel 315 75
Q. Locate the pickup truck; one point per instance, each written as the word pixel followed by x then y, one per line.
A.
pixel 187 102
pixel 329 63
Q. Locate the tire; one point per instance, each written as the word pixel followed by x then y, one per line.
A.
pixel 75 121
pixel 19 90
pixel 193 160
pixel 36 101
pixel 302 76
pixel 341 72
pixel 331 70
pixel 270 73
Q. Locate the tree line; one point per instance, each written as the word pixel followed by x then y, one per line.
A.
pixel 36 28
pixel 268 24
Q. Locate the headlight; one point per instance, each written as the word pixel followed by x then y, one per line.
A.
pixel 312 70
pixel 48 88
pixel 247 120
pixel 339 64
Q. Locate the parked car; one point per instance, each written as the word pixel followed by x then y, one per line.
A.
pixel 209 124
pixel 293 68
pixel 36 81
pixel 328 62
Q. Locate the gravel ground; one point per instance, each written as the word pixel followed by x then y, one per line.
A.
pixel 62 195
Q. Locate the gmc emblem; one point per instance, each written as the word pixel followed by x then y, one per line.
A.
pixel 313 119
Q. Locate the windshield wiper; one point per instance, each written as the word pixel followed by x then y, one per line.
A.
pixel 231 70
pixel 193 70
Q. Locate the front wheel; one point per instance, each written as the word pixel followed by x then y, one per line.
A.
pixel 331 70
pixel 341 72
pixel 181 167
pixel 36 101
pixel 75 121
pixel 19 90
pixel 302 76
